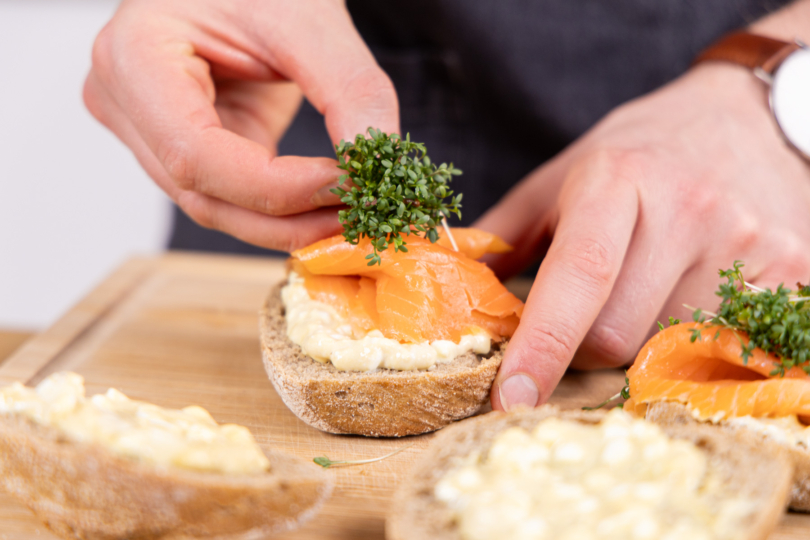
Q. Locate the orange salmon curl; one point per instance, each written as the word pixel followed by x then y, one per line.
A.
pixel 710 377
pixel 428 293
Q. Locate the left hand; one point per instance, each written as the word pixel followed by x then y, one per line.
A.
pixel 203 90
pixel 642 211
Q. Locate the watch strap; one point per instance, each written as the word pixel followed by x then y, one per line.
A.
pixel 749 50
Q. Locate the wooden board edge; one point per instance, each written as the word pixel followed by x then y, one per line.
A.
pixel 35 355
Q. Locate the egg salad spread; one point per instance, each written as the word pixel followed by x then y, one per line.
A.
pixel 187 438
pixel 565 480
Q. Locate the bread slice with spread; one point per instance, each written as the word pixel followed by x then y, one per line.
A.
pixel 400 348
pixel 678 380
pixel 546 473
pixel 745 368
pixel 107 467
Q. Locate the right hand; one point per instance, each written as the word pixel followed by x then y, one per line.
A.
pixel 200 91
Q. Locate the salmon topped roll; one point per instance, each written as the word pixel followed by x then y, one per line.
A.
pixel 401 346
pixel 712 379
pixel 744 369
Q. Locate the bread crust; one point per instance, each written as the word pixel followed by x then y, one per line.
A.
pixel 83 491
pixel 382 403
pixel 672 413
pixel 746 469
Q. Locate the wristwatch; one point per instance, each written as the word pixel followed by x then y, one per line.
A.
pixel 785 67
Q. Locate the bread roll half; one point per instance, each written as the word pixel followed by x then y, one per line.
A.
pixel 760 474
pixel 381 403
pixel 83 491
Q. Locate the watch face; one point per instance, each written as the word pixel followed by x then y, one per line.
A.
pixel 790 99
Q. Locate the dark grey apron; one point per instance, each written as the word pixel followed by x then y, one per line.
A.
pixel 500 86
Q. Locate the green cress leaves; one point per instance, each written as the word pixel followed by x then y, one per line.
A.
pixel 672 322
pixel 395 189
pixel 776 322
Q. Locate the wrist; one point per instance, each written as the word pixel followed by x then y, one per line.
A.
pixel 737 103
pixel 789 23
pixel 784 67
pixel 728 86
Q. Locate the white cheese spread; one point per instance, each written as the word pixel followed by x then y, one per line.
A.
pixel 622 479
pixel 187 438
pixel 324 335
pixel 786 430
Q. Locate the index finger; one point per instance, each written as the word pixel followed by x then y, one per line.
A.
pixel 598 212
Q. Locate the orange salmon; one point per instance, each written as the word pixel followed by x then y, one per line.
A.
pixel 428 293
pixel 709 376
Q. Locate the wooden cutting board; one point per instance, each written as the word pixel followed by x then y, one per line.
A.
pixel 182 329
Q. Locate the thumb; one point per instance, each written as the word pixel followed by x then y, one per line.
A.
pixel 321 50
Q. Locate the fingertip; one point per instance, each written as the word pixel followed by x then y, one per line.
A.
pixel 91 99
pixel 533 365
pixel 495 397
pixel 517 390
pixel 369 100
pixel 325 197
pixel 318 224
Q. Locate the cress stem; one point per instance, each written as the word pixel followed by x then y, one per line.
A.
pixel 372 460
pixel 449 234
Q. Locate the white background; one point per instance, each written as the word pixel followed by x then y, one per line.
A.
pixel 74 203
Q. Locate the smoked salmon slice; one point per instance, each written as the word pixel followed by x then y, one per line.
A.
pixel 710 377
pixel 474 243
pixel 428 293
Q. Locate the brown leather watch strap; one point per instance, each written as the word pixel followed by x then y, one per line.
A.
pixel 749 50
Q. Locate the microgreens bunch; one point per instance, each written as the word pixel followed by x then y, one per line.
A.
pixel 395 190
pixel 776 322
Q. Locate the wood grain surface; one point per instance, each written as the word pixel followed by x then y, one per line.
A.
pixel 10 341
pixel 182 329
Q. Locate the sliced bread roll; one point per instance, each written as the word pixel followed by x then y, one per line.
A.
pixel 672 413
pixel 743 469
pixel 83 491
pixel 381 403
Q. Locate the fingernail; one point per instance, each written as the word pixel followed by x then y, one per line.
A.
pixel 324 197
pixel 518 390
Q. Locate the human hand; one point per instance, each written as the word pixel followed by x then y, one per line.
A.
pixel 200 91
pixel 643 211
